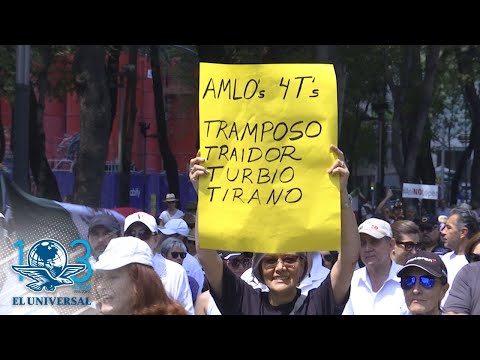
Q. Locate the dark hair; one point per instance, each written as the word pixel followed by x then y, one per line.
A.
pixel 467 219
pixel 403 227
pixel 472 242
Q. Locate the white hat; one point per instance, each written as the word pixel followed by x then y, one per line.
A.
pixel 122 251
pixel 142 217
pixel 377 228
pixel 175 226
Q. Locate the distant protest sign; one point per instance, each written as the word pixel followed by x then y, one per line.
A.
pixel 265 132
pixel 420 191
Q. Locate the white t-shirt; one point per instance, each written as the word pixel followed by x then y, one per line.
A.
pixel 175 281
pixel 453 264
pixel 166 217
pixel 389 300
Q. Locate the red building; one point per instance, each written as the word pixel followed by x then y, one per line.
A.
pixel 62 122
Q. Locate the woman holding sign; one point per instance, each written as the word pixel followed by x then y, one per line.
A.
pixel 281 273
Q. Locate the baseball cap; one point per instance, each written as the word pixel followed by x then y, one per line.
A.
pixel 122 251
pixel 377 228
pixel 106 220
pixel 428 261
pixel 175 226
pixel 142 217
pixel 426 220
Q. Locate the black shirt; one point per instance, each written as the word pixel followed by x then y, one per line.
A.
pixel 239 298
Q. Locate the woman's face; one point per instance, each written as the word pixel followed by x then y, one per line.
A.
pixel 281 272
pixel 176 254
pixel 114 291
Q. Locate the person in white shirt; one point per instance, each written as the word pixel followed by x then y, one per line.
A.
pixel 178 228
pixel 375 288
pixel 459 228
pixel 174 277
pixel 171 212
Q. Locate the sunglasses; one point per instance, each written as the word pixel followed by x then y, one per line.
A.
pixel 471 257
pixel 235 263
pixel 289 261
pixel 140 234
pixel 408 282
pixel 175 254
pixel 409 245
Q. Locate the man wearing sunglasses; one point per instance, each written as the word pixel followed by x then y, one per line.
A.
pixel 174 277
pixel 464 295
pixel 424 283
pixel 375 287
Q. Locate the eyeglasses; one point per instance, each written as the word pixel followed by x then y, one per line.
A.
pixel 175 254
pixel 472 257
pixel 289 261
pixel 408 282
pixel 141 234
pixel 409 245
pixel 235 262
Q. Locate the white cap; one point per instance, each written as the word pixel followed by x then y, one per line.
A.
pixel 175 226
pixel 377 228
pixel 142 217
pixel 122 251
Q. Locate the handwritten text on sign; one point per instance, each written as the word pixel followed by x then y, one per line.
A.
pixel 265 132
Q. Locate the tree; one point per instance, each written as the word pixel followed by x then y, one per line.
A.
pixel 169 161
pixel 92 87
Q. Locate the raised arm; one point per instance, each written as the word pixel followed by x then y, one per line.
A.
pixel 212 263
pixel 387 197
pixel 342 272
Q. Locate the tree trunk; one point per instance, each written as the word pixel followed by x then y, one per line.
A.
pixel 95 117
pixel 169 161
pixel 327 54
pixel 472 99
pixel 412 100
pixel 129 116
pixel 45 180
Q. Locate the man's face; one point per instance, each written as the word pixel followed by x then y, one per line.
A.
pixel 429 234
pixel 452 233
pixel 99 237
pixel 375 251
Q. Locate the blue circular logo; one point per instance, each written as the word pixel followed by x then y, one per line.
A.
pixel 48 254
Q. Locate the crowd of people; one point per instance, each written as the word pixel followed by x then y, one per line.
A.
pixel 425 265
pixel 391 262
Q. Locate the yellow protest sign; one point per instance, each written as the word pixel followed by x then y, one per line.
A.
pixel 265 134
